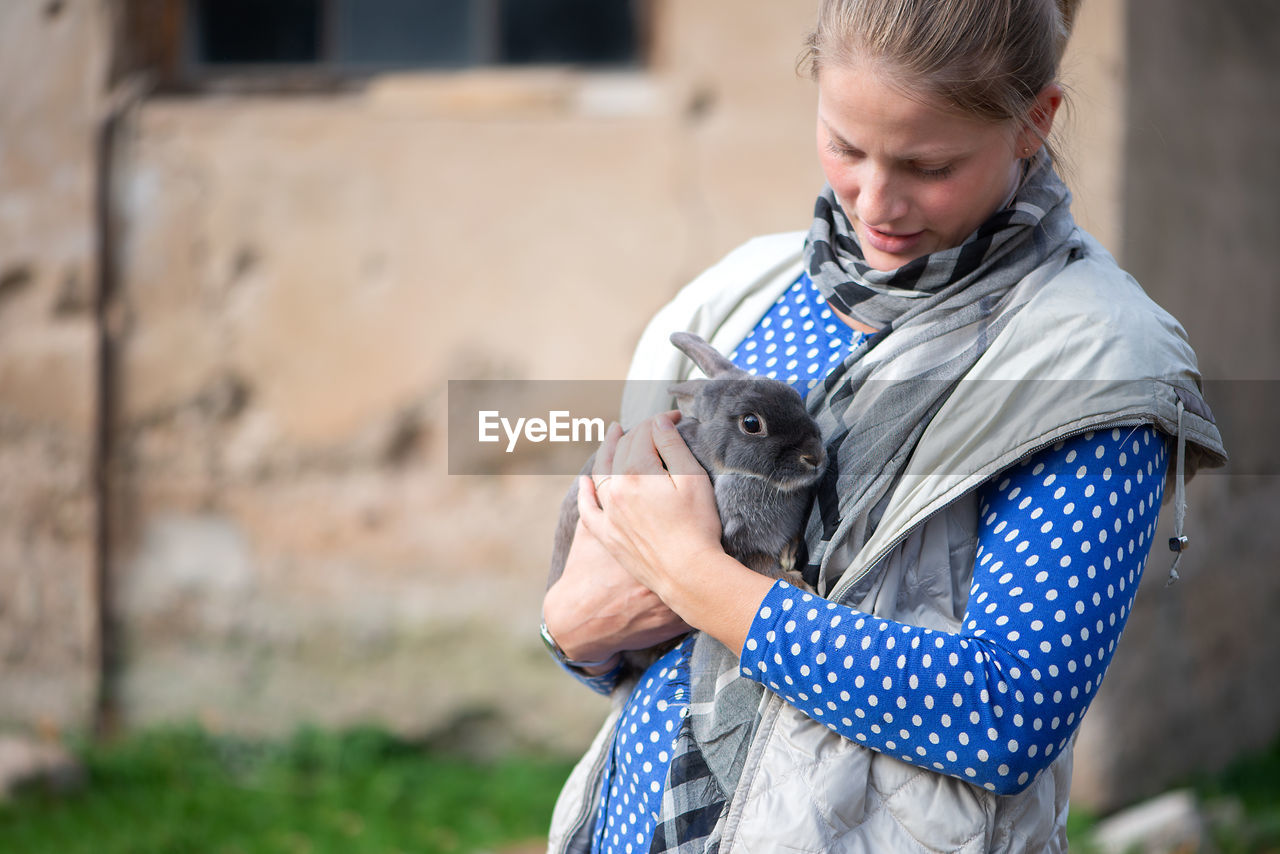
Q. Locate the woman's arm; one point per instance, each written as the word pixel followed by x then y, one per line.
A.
pixel 992 704
pixel 1062 543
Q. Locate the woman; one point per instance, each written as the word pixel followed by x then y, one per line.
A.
pixel 999 403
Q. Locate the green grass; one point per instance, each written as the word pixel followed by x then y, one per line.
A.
pixel 1252 787
pixel 1080 824
pixel 183 790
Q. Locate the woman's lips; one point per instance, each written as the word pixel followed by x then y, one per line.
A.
pixel 892 244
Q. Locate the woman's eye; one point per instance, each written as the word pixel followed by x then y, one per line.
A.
pixel 934 171
pixel 751 423
pixel 842 150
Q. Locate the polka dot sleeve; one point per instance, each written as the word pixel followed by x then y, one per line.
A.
pixel 1062 541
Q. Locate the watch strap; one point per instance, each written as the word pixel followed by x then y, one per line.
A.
pixel 559 654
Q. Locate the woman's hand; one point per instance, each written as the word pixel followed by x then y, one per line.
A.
pixel 596 610
pixel 651 505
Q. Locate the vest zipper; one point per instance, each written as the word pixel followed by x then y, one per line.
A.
pixel 590 791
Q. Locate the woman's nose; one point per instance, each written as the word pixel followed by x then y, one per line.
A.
pixel 880 200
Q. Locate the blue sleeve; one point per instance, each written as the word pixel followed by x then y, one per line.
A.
pixel 1062 541
pixel 602 684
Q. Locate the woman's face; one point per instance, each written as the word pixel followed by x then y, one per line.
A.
pixel 912 177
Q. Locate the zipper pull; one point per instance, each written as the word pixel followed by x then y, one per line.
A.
pixel 1179 541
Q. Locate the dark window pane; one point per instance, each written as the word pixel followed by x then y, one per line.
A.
pixel 404 32
pixel 257 31
pixel 593 32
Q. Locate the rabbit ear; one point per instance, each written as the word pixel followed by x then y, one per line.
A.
pixel 686 395
pixel 706 357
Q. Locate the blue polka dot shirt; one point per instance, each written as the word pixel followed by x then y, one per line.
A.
pixel 1062 541
pixel 799 341
pixel 642 749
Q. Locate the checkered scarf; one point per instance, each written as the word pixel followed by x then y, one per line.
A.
pixel 936 316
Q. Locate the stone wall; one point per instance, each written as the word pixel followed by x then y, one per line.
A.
pixel 51 81
pixel 302 275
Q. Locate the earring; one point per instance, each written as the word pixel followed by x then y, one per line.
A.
pixel 1026 151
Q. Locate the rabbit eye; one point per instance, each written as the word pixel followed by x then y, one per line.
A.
pixel 751 424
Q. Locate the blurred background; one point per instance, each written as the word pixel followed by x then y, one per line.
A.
pixel 245 244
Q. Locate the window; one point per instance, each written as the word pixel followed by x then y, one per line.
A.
pixel 357 36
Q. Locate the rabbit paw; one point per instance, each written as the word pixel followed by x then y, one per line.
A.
pixel 790 572
pixel 787 557
pixel 796 580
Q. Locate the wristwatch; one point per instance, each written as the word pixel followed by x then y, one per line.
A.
pixel 558 654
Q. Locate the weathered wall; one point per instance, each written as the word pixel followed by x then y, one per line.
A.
pixel 1194 683
pixel 299 277
pixel 51 72
pixel 1092 124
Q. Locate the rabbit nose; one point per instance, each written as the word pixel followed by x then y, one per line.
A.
pixel 810 460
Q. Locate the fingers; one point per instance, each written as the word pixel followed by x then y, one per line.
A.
pixel 603 466
pixel 671 447
pixel 653 447
pixel 590 513
pixel 637 451
pixel 649 503
pixel 586 494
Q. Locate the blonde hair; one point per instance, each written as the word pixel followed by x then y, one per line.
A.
pixel 988 59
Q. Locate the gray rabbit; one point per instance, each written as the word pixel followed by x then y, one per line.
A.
pixel 764 455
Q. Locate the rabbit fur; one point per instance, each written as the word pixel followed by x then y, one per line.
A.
pixel 763 453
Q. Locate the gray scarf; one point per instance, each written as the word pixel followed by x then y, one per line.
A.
pixel 936 316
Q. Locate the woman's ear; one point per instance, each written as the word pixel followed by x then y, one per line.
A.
pixel 1040 119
